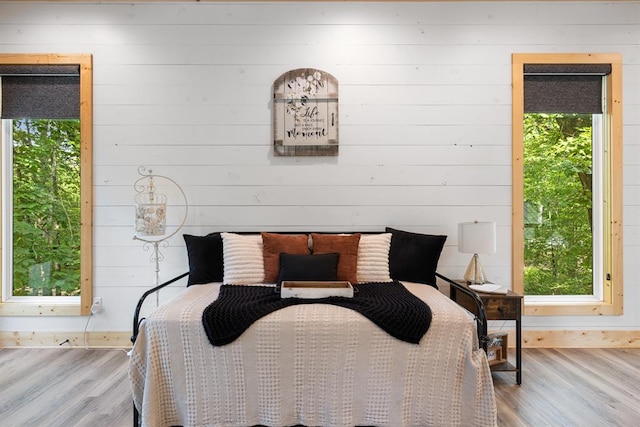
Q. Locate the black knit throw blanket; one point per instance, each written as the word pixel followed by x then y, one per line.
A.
pixel 389 305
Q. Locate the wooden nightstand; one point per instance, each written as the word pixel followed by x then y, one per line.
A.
pixel 500 307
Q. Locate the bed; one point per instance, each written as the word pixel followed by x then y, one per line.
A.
pixel 312 364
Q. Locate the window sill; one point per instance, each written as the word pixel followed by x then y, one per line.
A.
pixel 39 309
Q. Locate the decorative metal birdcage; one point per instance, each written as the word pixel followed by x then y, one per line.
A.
pixel 151 215
pixel 151 210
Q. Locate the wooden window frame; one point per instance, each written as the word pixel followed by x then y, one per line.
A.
pixel 612 300
pixel 9 308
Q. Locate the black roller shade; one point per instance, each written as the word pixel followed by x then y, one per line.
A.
pixel 40 91
pixel 39 70
pixel 570 69
pixel 564 88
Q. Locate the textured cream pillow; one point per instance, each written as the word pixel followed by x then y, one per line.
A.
pixel 243 259
pixel 373 258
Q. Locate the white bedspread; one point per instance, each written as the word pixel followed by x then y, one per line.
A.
pixel 316 365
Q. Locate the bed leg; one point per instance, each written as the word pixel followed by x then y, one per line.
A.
pixel 136 416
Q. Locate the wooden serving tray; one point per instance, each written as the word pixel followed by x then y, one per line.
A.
pixel 309 289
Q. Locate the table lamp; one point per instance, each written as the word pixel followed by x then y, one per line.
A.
pixel 476 238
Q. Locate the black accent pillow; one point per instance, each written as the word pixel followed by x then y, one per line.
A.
pixel 205 258
pixel 320 267
pixel 414 257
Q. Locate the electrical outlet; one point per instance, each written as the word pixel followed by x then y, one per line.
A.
pixel 97 305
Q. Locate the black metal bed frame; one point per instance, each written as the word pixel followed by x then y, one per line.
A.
pixel 479 314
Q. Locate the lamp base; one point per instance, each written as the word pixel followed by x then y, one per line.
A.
pixel 475 274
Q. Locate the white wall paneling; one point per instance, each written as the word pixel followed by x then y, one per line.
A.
pixel 425 109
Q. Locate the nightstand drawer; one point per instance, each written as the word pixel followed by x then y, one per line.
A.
pixel 501 308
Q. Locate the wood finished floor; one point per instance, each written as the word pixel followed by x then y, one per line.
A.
pixel 561 387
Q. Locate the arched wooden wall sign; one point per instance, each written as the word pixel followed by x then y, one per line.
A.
pixel 305 113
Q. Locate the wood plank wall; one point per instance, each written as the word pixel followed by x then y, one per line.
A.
pixel 424 92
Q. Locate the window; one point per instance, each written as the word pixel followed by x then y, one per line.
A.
pixel 46 113
pixel 567 183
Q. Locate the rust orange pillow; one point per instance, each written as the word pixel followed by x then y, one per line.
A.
pixel 346 246
pixel 274 244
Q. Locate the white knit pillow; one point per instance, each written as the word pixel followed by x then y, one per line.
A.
pixel 243 261
pixel 373 258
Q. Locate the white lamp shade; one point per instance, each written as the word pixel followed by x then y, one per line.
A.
pixel 477 237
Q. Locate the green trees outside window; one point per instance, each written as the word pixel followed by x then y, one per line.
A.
pixel 558 249
pixel 46 207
